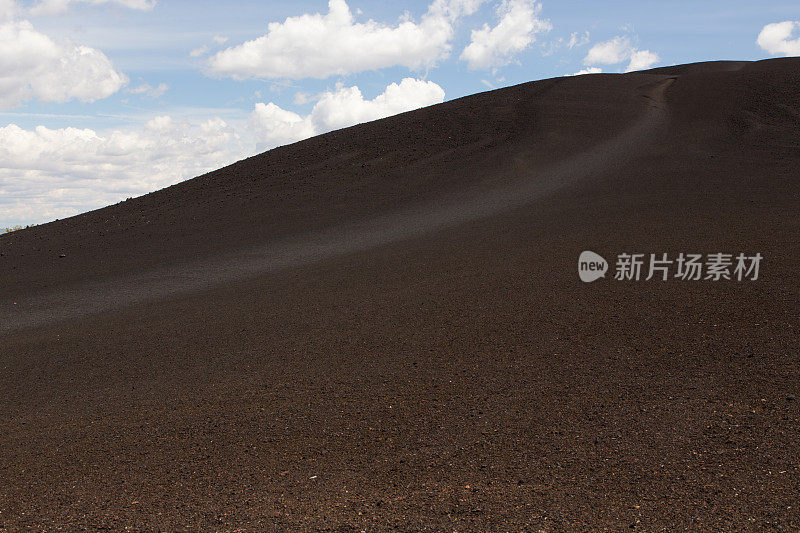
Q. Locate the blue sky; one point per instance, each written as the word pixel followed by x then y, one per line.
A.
pixel 105 99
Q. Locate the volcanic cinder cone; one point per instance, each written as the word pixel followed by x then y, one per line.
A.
pixel 384 326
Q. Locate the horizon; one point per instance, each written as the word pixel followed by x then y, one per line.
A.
pixel 112 99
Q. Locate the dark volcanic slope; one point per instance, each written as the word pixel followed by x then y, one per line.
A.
pixel 383 326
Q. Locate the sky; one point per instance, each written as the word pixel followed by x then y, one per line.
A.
pixel 102 100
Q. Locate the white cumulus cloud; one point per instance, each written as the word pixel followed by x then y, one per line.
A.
pixel 8 10
pixel 32 65
pixel 276 126
pixel 641 59
pixel 319 46
pixel 776 38
pixel 343 107
pixel 613 51
pixel 618 50
pixel 495 46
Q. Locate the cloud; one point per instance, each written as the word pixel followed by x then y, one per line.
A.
pixel 618 50
pixel 276 126
pixel 642 59
pixel 54 7
pixel 343 107
pixel 495 46
pixel 152 92
pixel 776 39
pixel 32 65
pixel 204 49
pixel 590 70
pixel 319 46
pixel 199 51
pixel 52 173
pixel 8 10
pixel 300 98
pixel 347 106
pixel 578 39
